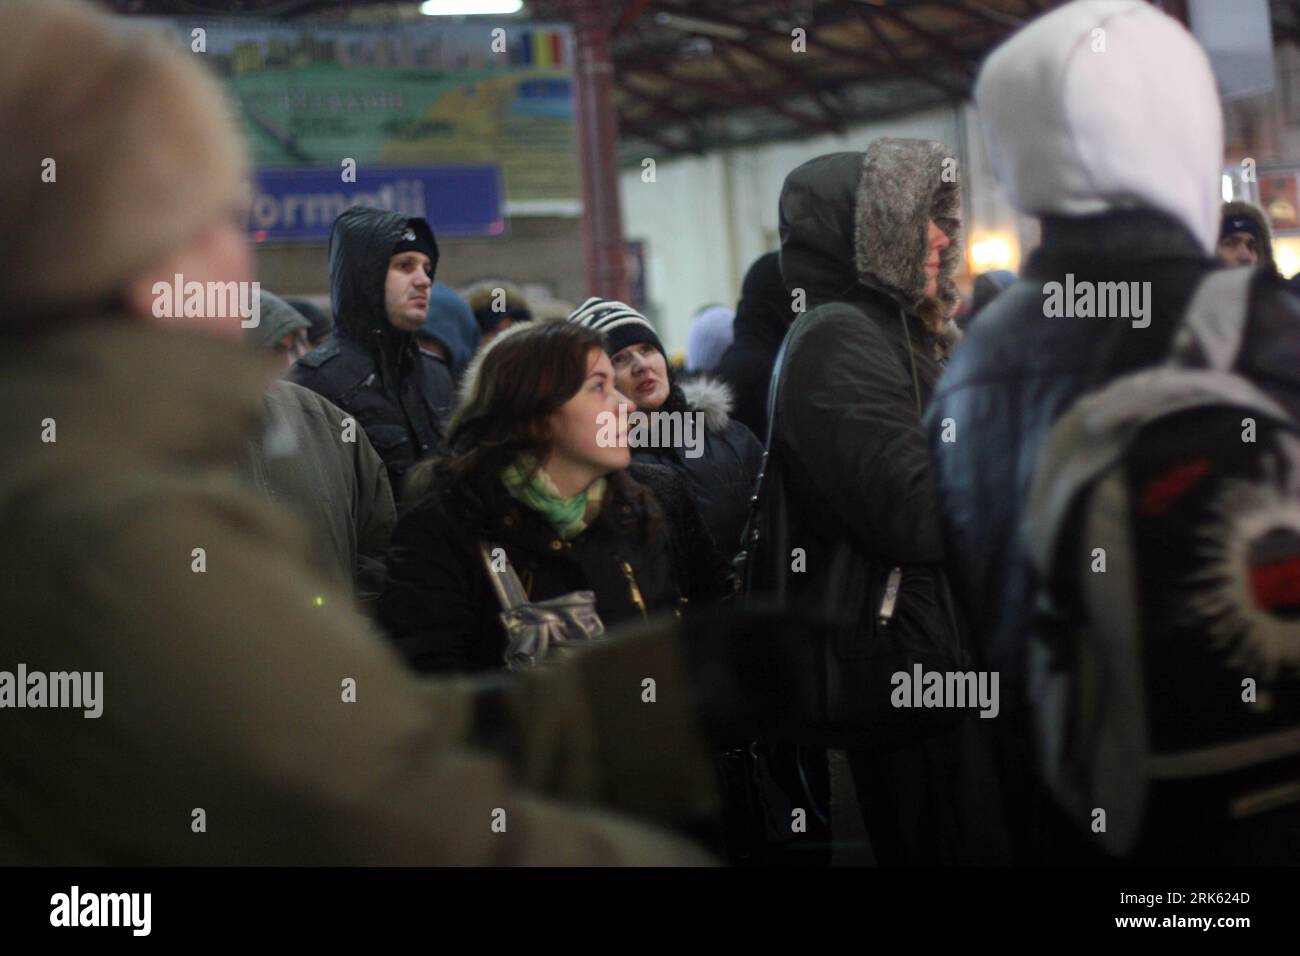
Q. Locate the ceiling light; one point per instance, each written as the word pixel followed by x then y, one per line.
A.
pixel 464 8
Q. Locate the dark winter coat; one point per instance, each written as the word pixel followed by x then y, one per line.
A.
pixel 645 553
pixel 852 454
pixel 1069 154
pixel 1016 372
pixel 369 368
pixel 442 387
pixel 1014 375
pixel 721 479
pixel 859 369
pixel 763 317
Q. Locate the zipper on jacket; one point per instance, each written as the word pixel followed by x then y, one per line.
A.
pixel 350 393
pixel 634 590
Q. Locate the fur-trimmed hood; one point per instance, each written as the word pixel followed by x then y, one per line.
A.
pixel 860 218
pixel 713 398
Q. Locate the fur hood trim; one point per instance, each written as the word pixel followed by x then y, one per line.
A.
pixel 713 398
pixel 904 183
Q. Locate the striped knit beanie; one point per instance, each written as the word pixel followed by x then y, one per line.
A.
pixel 621 324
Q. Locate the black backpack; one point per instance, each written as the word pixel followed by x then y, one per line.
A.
pixel 1164 656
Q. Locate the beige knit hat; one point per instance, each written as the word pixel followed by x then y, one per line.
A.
pixel 145 155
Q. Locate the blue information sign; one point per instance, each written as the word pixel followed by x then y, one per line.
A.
pixel 300 204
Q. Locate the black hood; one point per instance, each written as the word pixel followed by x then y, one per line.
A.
pixel 859 219
pixel 361 245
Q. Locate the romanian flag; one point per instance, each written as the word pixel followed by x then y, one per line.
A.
pixel 547 47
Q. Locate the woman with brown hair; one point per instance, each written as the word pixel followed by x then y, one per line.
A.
pixel 531 469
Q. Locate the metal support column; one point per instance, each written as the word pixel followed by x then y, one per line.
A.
pixel 602 223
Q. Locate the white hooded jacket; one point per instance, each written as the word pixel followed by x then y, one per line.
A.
pixel 1101 105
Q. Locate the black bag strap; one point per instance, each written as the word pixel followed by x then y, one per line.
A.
pixel 763 481
pixel 773 388
pixel 779 515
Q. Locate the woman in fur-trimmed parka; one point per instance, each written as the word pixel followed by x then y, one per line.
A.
pixel 722 459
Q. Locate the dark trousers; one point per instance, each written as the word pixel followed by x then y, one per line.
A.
pixel 934 801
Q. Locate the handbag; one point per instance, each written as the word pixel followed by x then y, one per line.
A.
pixel 540 631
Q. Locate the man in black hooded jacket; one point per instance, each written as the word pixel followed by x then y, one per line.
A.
pixel 381 270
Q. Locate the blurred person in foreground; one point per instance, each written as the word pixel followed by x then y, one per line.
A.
pixel 236 678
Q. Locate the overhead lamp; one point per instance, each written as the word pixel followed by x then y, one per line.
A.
pixel 470 8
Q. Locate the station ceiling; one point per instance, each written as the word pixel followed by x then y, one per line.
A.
pixel 691 76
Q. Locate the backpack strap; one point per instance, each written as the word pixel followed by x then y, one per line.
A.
pixel 1214 324
pixel 1094 432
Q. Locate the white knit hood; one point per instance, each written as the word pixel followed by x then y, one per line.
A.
pixel 1074 131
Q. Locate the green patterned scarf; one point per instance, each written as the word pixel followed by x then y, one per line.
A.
pixel 531 485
